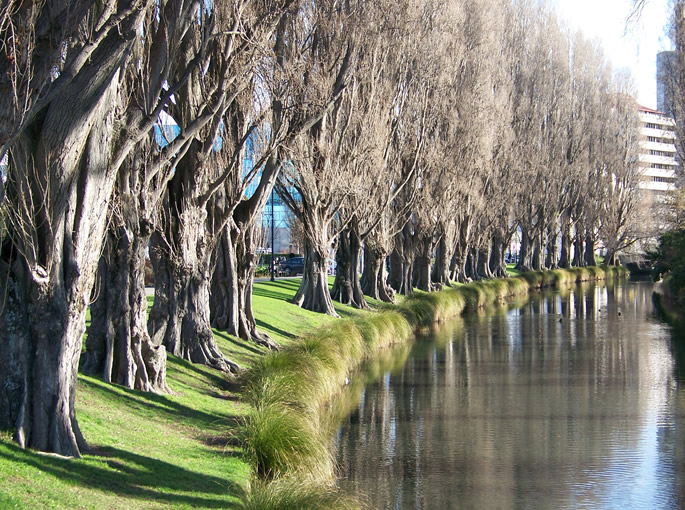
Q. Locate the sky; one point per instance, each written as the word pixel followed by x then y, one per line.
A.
pixel 634 47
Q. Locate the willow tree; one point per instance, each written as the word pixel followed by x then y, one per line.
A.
pixel 118 346
pixel 312 184
pixel 199 200
pixel 62 78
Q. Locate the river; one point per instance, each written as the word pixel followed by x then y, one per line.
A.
pixel 572 400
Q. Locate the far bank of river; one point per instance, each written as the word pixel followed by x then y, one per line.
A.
pixel 573 400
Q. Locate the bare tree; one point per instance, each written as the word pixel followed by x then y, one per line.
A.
pixel 62 93
pixel 312 184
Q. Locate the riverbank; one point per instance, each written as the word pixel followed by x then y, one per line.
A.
pixel 667 307
pixel 187 450
pixel 288 432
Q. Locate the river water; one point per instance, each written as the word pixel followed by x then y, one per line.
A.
pixel 572 400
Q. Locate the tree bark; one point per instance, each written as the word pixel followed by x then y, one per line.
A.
pixel 347 288
pixel 578 258
pixel 589 257
pixel 179 318
pixel 537 258
pixel 374 278
pixel 498 267
pixel 422 264
pixel 525 258
pixel 246 264
pixel 484 262
pixel 63 180
pixel 565 255
pixel 224 303
pixel 552 257
pixel 441 269
pixel 313 293
pixel 118 346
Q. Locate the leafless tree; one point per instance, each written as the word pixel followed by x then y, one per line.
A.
pixel 62 77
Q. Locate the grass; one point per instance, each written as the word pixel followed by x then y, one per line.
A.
pixel 208 445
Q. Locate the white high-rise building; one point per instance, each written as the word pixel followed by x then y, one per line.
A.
pixel 658 159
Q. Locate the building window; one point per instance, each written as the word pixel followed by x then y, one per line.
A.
pixel 660 153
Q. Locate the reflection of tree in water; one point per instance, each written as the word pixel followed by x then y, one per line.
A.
pixel 552 405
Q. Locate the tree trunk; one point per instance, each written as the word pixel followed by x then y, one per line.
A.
pixel 589 250
pixel 565 255
pixel 578 258
pixel 313 293
pixel 374 275
pixel 498 267
pixel 401 262
pixel 347 288
pixel 441 269
pixel 224 288
pixel 471 267
pixel 458 264
pixel 118 346
pixel 552 258
pixel 246 264
pixel 525 258
pixel 537 259
pixel 40 351
pixel 179 318
pixel 611 258
pixel 484 262
pixel 422 264
pixel 396 276
pixel 61 186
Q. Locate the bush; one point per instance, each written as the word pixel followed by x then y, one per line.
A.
pixel 670 260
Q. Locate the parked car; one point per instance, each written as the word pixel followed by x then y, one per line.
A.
pixel 291 266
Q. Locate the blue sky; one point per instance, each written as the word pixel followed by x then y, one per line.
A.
pixel 634 48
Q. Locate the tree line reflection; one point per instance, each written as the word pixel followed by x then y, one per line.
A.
pixel 568 400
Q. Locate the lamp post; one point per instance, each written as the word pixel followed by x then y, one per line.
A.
pixel 273 262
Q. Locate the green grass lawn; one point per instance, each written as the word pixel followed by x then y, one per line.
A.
pixel 159 451
pixel 181 450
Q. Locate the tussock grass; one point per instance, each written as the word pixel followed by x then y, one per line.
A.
pixel 280 441
pixel 291 390
pixel 290 494
pixel 206 446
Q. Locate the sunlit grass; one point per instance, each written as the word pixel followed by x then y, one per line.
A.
pixel 201 446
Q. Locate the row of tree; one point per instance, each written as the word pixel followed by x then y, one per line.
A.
pixel 425 131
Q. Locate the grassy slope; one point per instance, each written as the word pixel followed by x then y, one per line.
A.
pixel 157 451
pixel 152 451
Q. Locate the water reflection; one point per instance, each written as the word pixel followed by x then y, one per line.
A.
pixel 570 401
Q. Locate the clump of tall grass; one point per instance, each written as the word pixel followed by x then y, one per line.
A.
pixel 280 441
pixel 384 330
pixel 290 494
pixel 419 310
pixel 517 286
pixel 287 434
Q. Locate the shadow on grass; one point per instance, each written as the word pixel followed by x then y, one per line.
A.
pixel 160 406
pixel 211 376
pixel 239 342
pixel 129 475
pixel 273 329
pixel 283 290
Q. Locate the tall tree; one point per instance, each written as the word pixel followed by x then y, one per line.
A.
pixel 63 67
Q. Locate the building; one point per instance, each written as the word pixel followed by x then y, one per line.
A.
pixel 658 159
